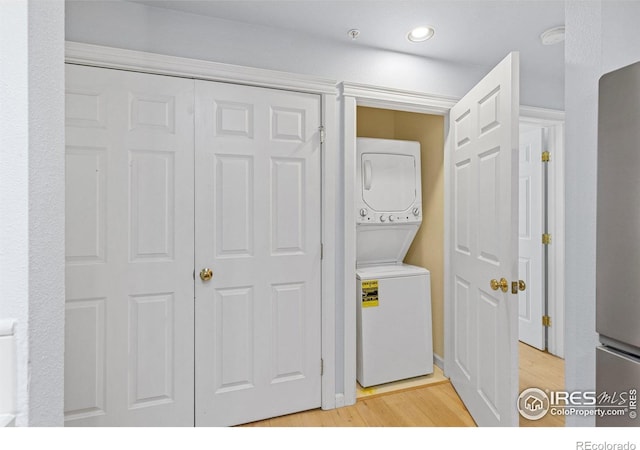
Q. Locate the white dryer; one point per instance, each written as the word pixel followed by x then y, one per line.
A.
pixel 394 339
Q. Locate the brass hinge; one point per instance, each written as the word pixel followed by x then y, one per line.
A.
pixel 321 366
pixel 546 238
pixel 546 321
pixel 546 156
pixel 323 134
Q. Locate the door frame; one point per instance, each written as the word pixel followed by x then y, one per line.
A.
pixel 552 121
pixel 353 95
pixel 136 61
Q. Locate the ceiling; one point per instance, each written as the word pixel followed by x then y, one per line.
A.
pixel 475 32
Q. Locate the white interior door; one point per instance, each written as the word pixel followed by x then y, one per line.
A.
pixel 482 323
pixel 531 227
pixel 129 249
pixel 258 230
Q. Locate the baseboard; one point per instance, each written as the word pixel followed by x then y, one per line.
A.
pixel 7 420
pixel 438 361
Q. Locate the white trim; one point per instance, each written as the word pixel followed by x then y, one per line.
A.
pixel 556 249
pixel 330 166
pixel 114 58
pixel 541 116
pixel 7 420
pixel 553 121
pixel 379 97
pixel 349 233
pixel 340 401
pixel 438 361
pixel 449 341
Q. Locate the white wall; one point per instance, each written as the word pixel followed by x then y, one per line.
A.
pixel 601 36
pixel 139 27
pixel 32 201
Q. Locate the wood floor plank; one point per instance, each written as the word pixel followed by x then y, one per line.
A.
pixel 445 407
pixel 376 414
pixel 407 410
pixel 349 417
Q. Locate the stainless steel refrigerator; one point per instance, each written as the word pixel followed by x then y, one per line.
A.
pixel 618 247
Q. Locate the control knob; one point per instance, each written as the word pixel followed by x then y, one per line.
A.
pixel 391 218
pixel 383 218
pixel 364 212
pixel 416 211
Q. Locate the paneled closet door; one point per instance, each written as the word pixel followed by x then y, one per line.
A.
pixel 482 317
pixel 130 249
pixel 258 250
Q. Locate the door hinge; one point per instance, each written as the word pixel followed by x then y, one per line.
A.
pixel 546 156
pixel 546 321
pixel 194 274
pixel 321 251
pixel 321 366
pixel 546 238
pixel 323 134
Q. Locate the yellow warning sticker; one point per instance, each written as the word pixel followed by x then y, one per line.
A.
pixel 369 293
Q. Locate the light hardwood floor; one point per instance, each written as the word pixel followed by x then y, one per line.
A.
pixel 436 405
pixel 544 371
pixel 433 405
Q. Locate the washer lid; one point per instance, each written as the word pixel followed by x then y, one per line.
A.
pixel 389 271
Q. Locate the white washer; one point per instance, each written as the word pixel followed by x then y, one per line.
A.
pixel 394 299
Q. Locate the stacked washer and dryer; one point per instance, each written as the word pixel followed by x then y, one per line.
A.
pixel 394 299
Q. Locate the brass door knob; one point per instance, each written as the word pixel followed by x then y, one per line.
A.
pixel 206 274
pixel 503 284
pixel 521 285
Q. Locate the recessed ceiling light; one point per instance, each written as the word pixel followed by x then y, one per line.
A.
pixel 552 36
pixel 420 34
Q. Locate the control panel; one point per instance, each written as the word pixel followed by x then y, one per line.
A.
pixel 412 215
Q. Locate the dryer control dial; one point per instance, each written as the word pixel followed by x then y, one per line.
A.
pixel 416 211
pixel 391 218
pixel 383 218
pixel 363 212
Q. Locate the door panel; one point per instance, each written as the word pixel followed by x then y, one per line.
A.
pixel 530 261
pixel 482 361
pixel 129 238
pixel 258 227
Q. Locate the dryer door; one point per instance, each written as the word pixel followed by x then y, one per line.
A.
pixel 389 181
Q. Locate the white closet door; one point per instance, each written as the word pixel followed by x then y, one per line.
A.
pixel 482 323
pixel 531 301
pixel 258 230
pixel 129 249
